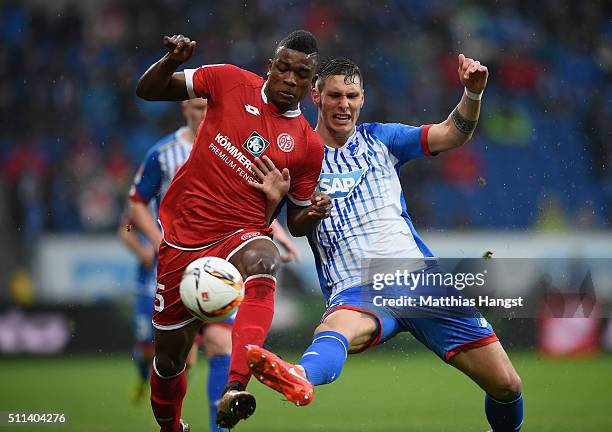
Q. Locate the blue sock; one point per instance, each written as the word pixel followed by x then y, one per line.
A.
pixel 218 367
pixel 504 416
pixel 324 358
pixel 144 368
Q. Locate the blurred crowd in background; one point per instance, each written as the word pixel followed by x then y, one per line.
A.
pixel 73 130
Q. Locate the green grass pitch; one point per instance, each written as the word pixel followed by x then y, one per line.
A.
pixel 377 391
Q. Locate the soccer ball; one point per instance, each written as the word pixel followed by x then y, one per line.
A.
pixel 211 288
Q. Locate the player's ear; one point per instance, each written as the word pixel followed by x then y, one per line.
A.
pixel 362 97
pixel 316 96
pixel 314 81
pixel 270 61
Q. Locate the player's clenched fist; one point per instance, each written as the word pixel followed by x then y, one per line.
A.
pixel 180 48
pixel 472 74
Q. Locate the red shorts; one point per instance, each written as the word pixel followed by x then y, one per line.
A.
pixel 170 313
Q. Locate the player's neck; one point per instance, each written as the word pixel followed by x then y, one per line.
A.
pixel 330 139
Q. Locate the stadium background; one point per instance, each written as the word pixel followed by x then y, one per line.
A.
pixel 535 182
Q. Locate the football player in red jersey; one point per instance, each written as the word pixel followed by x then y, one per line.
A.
pixel 211 209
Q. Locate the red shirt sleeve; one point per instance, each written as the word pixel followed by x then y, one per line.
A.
pixel 304 178
pixel 210 81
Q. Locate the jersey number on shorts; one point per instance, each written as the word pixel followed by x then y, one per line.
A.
pixel 159 305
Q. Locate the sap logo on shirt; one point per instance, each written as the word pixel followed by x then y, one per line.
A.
pixel 339 185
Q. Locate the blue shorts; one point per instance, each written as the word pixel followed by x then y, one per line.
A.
pixel 445 330
pixel 143 314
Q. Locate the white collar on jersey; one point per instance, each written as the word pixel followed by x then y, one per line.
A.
pixel 290 113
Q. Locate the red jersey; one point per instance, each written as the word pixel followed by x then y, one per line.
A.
pixel 210 197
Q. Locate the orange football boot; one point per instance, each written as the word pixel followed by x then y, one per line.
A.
pixel 279 375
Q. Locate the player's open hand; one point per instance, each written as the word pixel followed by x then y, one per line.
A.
pixel 320 207
pixel 180 48
pixel 472 74
pixel 273 184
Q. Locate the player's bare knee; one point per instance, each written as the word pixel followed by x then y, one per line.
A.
pixel 515 386
pixel 261 261
pixel 217 350
pixel 166 366
pixel 358 333
pixel 323 327
pixel 507 386
pixel 354 345
pixel 217 341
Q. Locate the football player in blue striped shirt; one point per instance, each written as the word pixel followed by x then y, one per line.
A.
pixel 369 223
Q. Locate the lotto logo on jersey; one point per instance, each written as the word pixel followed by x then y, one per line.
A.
pixel 255 144
pixel 339 185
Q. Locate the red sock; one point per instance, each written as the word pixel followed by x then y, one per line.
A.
pixel 252 323
pixel 167 396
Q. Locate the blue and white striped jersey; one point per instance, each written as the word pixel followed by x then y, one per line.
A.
pixel 368 217
pixel 159 168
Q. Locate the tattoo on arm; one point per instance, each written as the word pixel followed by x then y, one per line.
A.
pixel 462 124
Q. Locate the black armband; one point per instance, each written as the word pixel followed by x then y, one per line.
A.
pixel 462 124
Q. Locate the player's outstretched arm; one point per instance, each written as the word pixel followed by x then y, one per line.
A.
pixel 161 82
pixel 127 234
pixel 140 215
pixel 459 127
